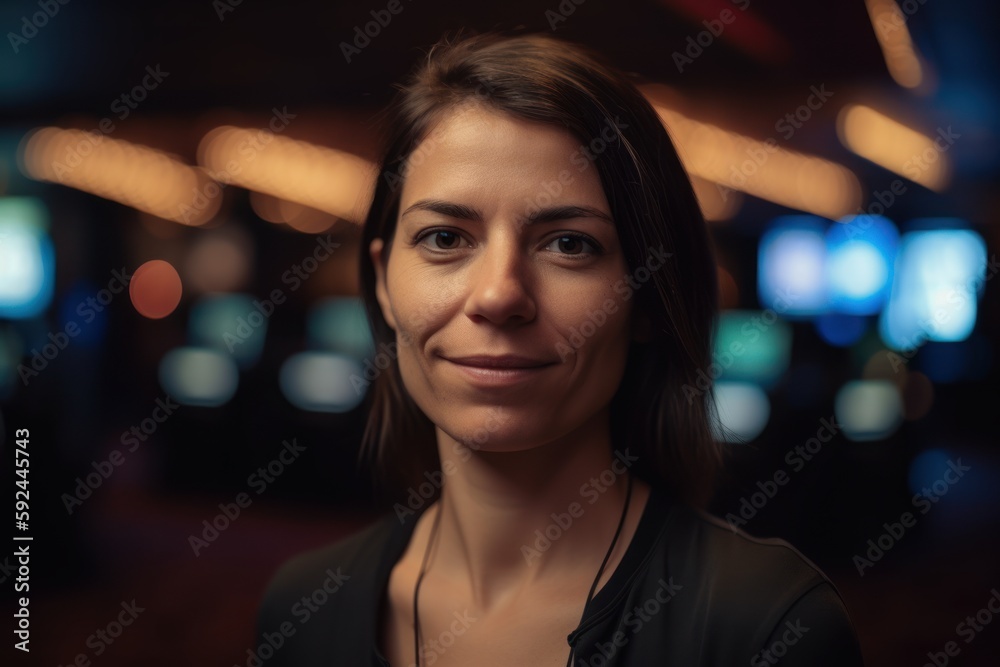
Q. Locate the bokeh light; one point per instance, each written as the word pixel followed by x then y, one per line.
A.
pixel 891 144
pixel 199 376
pixel 841 330
pixel 926 468
pixel 791 266
pixel 340 324
pixel 766 170
pixel 868 409
pixel 155 289
pixel 139 176
pixel 27 258
pixel 219 260
pixel 752 345
pixel 886 365
pixel 939 276
pixel 323 382
pixel 333 181
pixel 235 324
pixel 861 252
pixel 743 408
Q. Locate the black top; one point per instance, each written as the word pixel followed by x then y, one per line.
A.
pixel 689 591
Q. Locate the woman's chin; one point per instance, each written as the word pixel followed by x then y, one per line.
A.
pixel 516 436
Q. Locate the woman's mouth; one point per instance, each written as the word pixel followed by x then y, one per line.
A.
pixel 499 372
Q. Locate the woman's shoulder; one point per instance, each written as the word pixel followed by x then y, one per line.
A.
pixel 340 573
pixel 733 556
pixel 760 593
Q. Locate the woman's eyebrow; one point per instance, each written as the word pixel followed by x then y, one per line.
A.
pixel 568 212
pixel 449 209
pixel 549 214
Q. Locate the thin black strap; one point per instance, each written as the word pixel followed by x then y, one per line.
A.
pixel 621 522
pixel 416 590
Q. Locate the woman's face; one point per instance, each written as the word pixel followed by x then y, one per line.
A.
pixel 471 273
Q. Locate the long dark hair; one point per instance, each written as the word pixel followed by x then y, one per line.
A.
pixel 663 410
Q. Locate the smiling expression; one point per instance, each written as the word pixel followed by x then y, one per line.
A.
pixel 505 246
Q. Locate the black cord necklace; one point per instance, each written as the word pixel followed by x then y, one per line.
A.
pixel 427 551
pixel 416 589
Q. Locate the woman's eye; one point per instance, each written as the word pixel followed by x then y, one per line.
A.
pixel 566 244
pixel 571 244
pixel 450 240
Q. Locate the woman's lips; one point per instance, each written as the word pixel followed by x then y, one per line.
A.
pixel 500 361
pixel 498 377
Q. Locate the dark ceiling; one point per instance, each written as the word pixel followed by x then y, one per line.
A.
pixel 227 57
pixel 254 52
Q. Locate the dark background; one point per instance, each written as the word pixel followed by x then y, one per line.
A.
pixel 130 540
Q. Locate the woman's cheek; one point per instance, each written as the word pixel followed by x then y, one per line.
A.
pixel 597 322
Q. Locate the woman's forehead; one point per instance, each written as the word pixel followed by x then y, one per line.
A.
pixel 486 152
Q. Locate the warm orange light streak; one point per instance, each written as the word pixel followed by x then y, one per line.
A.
pixel 898 148
pixel 138 176
pixel 326 179
pixel 893 37
pixel 763 168
pixel 716 203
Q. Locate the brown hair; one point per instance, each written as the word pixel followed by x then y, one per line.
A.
pixel 656 411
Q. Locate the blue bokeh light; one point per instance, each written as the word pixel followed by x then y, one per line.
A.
pixel 27 258
pixel 791 266
pixel 861 251
pixel 841 330
pixel 939 276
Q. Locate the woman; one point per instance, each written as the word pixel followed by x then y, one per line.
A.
pixel 535 257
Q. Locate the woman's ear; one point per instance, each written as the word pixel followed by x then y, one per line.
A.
pixel 375 251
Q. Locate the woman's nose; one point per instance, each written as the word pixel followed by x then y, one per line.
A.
pixel 501 288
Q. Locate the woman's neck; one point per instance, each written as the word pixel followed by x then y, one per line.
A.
pixel 548 513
